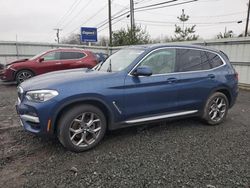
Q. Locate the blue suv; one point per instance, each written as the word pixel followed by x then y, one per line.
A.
pixel 133 86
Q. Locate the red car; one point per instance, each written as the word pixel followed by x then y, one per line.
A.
pixel 52 60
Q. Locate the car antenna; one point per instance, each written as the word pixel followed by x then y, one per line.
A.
pixel 110 66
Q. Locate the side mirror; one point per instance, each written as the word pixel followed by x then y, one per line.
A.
pixel 143 71
pixel 40 59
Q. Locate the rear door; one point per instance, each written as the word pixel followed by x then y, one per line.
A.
pixel 197 77
pixel 71 60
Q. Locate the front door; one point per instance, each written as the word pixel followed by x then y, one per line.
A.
pixel 51 62
pixel 156 94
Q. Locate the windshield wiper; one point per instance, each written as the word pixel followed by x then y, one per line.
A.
pixel 99 66
pixel 110 66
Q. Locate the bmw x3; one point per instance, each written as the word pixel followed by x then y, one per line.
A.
pixel 135 85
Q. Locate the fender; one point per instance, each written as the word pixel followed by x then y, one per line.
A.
pixel 221 87
pixel 74 99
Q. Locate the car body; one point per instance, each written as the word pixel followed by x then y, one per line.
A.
pixel 133 86
pixel 52 60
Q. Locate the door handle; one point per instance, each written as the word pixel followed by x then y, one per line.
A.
pixel 171 80
pixel 58 63
pixel 211 76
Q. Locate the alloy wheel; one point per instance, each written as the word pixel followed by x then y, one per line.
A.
pixel 217 109
pixel 85 129
pixel 24 75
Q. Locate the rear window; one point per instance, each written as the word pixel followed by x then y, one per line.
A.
pixel 72 55
pixel 214 59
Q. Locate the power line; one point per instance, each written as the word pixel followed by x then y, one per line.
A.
pixel 106 20
pixel 78 13
pixel 157 4
pixel 223 15
pixel 153 8
pixel 114 18
pixel 148 9
pixel 112 24
pixel 69 11
pixel 193 23
pixel 171 25
pixel 152 5
pixel 90 18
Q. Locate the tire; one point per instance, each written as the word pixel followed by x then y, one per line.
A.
pixel 76 132
pixel 23 75
pixel 216 108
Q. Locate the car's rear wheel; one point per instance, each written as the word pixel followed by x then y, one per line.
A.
pixel 23 75
pixel 216 109
pixel 81 127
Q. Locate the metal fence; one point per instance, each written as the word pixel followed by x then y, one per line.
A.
pixel 238 50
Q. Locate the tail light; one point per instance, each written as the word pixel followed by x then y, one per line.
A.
pixel 236 75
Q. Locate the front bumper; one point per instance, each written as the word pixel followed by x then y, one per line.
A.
pixel 35 117
pixel 7 74
pixel 30 118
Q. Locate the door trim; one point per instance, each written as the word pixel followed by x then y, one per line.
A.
pixel 160 117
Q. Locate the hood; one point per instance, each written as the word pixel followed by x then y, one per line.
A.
pixel 59 78
pixel 17 61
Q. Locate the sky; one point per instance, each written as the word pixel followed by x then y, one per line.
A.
pixel 35 20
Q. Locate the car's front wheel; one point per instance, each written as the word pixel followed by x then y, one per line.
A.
pixel 81 128
pixel 23 75
pixel 216 109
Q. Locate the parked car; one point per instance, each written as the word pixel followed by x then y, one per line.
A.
pixel 52 60
pixel 134 86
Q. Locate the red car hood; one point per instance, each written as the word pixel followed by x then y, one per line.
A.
pixel 17 61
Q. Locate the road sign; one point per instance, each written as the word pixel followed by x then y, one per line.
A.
pixel 88 34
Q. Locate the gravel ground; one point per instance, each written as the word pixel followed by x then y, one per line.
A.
pixel 182 153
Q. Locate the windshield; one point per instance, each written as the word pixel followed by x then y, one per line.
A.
pixel 36 56
pixel 120 60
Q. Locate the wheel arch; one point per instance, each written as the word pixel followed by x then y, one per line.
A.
pixel 89 101
pixel 22 69
pixel 225 91
pixel 227 94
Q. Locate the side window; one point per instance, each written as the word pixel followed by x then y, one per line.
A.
pixel 80 55
pixel 51 56
pixel 205 61
pixel 161 61
pixel 192 60
pixel 71 55
pixel 214 59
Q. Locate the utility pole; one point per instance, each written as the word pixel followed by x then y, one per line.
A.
pixel 132 18
pixel 58 34
pixel 110 24
pixel 183 16
pixel 248 12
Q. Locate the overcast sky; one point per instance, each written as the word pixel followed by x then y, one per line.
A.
pixel 34 20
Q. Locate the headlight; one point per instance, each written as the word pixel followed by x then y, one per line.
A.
pixel 8 66
pixel 41 95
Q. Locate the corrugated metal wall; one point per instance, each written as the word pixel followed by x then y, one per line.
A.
pixel 237 49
